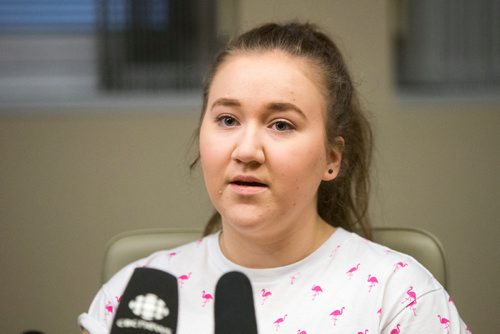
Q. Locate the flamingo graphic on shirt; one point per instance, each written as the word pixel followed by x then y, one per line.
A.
pixel 396 330
pixel 351 271
pixel 109 307
pixel 445 322
pixel 316 289
pixel 399 265
pixel 206 297
pixel 372 281
pixel 183 279
pixel 171 255
pixel 265 294
pixel 412 298
pixel 365 332
pixel 277 323
pixel 300 331
pixel 336 314
pixel 411 295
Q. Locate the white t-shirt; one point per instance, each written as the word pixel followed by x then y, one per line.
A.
pixel 348 285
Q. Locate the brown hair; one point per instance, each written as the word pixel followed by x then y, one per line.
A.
pixel 343 201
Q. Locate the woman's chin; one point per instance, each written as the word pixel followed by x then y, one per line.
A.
pixel 244 218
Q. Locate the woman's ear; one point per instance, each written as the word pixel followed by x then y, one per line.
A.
pixel 334 159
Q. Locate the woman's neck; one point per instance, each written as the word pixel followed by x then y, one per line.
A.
pixel 271 250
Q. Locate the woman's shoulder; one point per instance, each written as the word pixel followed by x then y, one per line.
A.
pixel 173 261
pixel 385 265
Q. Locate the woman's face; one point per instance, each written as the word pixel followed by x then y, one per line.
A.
pixel 262 142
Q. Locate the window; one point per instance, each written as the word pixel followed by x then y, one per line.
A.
pixel 155 44
pixel 74 52
pixel 447 46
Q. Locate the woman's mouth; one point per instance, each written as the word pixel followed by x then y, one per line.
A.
pixel 247 185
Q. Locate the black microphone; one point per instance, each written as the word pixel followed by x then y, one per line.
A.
pixel 149 304
pixel 234 309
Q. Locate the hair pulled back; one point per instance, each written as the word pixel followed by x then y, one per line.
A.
pixel 342 202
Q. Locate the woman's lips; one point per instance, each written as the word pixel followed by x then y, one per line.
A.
pixel 247 185
pixel 242 188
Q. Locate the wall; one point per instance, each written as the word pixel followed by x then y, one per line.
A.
pixel 71 180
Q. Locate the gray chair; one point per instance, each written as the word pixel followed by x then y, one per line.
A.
pixel 133 245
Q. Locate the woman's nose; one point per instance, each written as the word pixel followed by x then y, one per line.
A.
pixel 248 148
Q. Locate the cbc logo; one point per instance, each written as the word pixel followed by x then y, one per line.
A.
pixel 149 307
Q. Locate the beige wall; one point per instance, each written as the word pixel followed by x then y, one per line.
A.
pixel 71 180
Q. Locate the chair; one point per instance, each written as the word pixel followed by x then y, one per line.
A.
pixel 422 245
pixel 133 245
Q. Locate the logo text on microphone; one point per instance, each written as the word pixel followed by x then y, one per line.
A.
pixel 148 307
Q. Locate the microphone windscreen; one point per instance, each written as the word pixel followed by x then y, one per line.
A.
pixel 149 304
pixel 234 308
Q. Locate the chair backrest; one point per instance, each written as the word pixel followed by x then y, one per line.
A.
pixel 420 244
pixel 133 245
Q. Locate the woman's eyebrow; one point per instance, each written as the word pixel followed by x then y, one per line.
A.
pixel 226 102
pixel 273 106
pixel 285 106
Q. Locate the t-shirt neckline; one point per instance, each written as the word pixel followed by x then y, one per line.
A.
pixel 266 274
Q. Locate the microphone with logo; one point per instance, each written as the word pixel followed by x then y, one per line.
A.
pixel 234 308
pixel 149 304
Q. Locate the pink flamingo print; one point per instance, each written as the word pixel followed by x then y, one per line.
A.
pixel 184 278
pixel 277 323
pixel 412 298
pixel 118 298
pixel 450 300
pixel 351 271
pixel 301 332
pixel 445 322
pixel 335 314
pixel 379 312
pixel 171 255
pixel 366 332
pixel 396 330
pixel 399 265
pixel 316 291
pixel 411 295
pixel 373 281
pixel 206 297
pixel 109 307
pixel 467 330
pixel 265 294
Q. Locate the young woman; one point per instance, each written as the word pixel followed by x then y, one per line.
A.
pixel 285 151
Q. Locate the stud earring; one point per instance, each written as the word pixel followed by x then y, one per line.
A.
pixel 330 171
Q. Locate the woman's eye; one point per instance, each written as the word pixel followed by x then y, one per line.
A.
pixel 282 126
pixel 227 121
